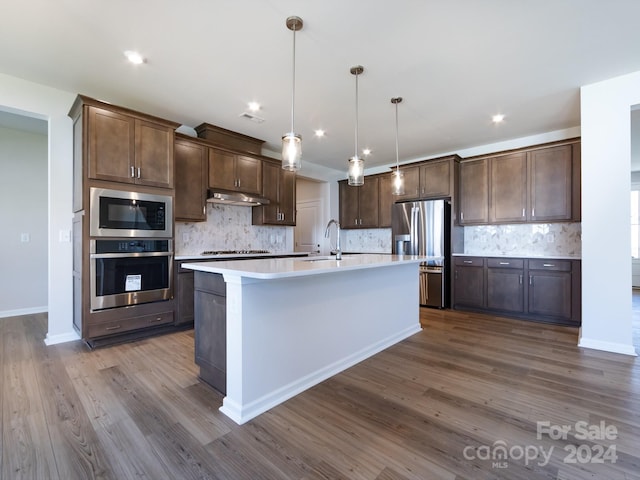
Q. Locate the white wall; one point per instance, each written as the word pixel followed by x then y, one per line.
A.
pixel 23 212
pixel 606 232
pixel 22 97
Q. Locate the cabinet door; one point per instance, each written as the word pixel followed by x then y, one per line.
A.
pixel 505 289
pixel 508 198
pixel 270 187
pixel 111 145
pixel 287 197
pixel 385 200
pixel 368 203
pixel 435 179
pixel 249 174
pixel 550 294
pixel 184 290
pixel 411 184
pixel 154 154
pixel 550 181
pixel 190 181
pixel 468 287
pixel 348 199
pixel 222 170
pixel 474 192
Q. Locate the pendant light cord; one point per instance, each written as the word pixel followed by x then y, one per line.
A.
pixel 397 155
pixel 293 89
pixel 356 152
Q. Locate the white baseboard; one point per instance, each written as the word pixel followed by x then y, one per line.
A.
pixel 61 338
pixel 23 311
pixel 621 348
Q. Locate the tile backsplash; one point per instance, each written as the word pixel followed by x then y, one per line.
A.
pixel 539 239
pixel 228 227
pixel 535 239
pixel 366 240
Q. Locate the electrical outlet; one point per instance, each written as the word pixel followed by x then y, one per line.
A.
pixel 25 237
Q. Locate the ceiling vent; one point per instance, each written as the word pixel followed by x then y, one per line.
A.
pixel 252 117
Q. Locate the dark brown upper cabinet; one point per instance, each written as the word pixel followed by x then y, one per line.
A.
pixel 474 192
pixel 279 186
pixel 127 149
pixel 234 172
pixel 191 176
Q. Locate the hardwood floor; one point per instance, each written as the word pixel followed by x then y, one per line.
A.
pixel 431 407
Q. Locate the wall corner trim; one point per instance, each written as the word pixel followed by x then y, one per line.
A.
pixel 61 338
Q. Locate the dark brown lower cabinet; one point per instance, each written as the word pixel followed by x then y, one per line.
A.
pixel 550 288
pixel 545 290
pixel 505 285
pixel 183 295
pixel 468 285
pixel 210 328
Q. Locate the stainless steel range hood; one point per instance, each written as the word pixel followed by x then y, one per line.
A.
pixel 236 198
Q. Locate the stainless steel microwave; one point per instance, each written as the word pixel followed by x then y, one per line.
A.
pixel 118 213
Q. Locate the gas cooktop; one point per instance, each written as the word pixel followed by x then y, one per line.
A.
pixel 233 252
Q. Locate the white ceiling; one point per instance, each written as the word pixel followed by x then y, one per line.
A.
pixel 454 62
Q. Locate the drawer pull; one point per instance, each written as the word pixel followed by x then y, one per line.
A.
pixel 115 327
pixel 154 320
pixel 548 265
pixel 504 263
pixel 467 261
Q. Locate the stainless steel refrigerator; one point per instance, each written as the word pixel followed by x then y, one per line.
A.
pixel 422 228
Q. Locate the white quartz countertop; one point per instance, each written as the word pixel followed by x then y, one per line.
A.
pixel 222 256
pixel 495 255
pixel 272 268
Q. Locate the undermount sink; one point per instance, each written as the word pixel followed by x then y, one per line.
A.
pixel 322 258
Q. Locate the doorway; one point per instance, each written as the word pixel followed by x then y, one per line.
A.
pixel 24 213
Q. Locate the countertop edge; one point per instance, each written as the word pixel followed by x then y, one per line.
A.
pixel 534 257
pixel 291 267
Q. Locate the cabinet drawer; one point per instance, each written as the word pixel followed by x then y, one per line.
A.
pixel 469 261
pixel 556 265
pixel 210 282
pixel 127 324
pixel 505 263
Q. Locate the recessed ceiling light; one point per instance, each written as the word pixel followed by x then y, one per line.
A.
pixel 134 57
pixel 319 133
pixel 498 118
pixel 366 151
pixel 254 106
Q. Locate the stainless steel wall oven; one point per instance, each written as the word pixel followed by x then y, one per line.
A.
pixel 129 271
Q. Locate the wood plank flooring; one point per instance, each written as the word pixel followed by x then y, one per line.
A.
pixel 431 407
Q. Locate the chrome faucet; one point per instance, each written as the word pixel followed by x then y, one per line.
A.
pixel 326 234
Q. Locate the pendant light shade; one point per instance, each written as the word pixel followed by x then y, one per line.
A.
pixel 356 164
pixel 292 142
pixel 397 185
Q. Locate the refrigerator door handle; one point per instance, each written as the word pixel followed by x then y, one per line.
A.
pixel 414 230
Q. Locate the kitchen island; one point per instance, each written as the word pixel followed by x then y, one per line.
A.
pixel 292 323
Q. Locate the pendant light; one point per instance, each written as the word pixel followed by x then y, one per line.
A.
pixel 292 142
pixel 356 164
pixel 397 186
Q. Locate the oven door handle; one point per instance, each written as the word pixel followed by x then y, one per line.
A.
pixel 131 255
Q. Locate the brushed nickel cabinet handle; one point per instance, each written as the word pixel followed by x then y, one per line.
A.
pixel 520 279
pixel 548 264
pixel 504 263
pixel 115 327
pixel 138 172
pixel 154 320
pixel 133 172
pixel 467 261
